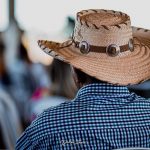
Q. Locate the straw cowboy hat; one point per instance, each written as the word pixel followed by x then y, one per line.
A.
pixel 105 45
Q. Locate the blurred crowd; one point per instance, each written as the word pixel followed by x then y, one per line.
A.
pixel 31 87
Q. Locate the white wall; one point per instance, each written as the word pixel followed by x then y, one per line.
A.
pixel 49 15
pixel 3 14
pixel 44 19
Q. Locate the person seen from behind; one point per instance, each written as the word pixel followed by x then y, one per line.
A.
pixel 106 55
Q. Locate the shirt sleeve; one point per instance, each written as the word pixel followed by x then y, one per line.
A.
pixel 23 143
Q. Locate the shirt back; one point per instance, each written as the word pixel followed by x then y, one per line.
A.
pixel 101 117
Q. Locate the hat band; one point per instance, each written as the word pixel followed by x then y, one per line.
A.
pixel 112 49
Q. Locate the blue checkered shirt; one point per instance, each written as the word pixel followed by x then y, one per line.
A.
pixel 101 117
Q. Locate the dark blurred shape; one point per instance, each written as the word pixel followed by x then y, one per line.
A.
pixel 142 89
pixel 22 53
pixel 62 81
pixel 5 79
pixel 2 47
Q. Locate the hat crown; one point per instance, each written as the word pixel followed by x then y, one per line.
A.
pixel 103 27
pixel 103 17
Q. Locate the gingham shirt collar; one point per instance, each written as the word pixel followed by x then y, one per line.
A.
pixel 103 90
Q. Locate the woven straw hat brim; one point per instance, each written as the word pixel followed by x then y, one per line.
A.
pixel 124 69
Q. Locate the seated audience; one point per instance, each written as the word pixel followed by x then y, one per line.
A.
pixel 6 77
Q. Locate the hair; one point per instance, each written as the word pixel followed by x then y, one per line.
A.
pixel 23 54
pixel 2 47
pixel 84 78
pixel 62 80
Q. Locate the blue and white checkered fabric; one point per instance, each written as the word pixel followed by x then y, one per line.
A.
pixel 101 117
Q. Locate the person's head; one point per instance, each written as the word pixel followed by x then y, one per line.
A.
pixel 105 47
pixel 62 80
pixel 82 78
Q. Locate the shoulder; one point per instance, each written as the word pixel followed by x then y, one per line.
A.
pixel 41 128
pixel 49 122
pixel 45 103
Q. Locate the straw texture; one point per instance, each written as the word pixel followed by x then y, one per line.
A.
pixel 103 28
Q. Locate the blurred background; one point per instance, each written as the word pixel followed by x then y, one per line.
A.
pixel 31 81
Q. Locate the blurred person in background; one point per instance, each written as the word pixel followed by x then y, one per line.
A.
pixel 30 74
pixel 10 81
pixel 62 89
pixel 4 77
pixel 22 77
pixel 7 81
pixel 57 90
pixel 10 123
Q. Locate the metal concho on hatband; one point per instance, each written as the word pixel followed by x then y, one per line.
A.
pixel 111 50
